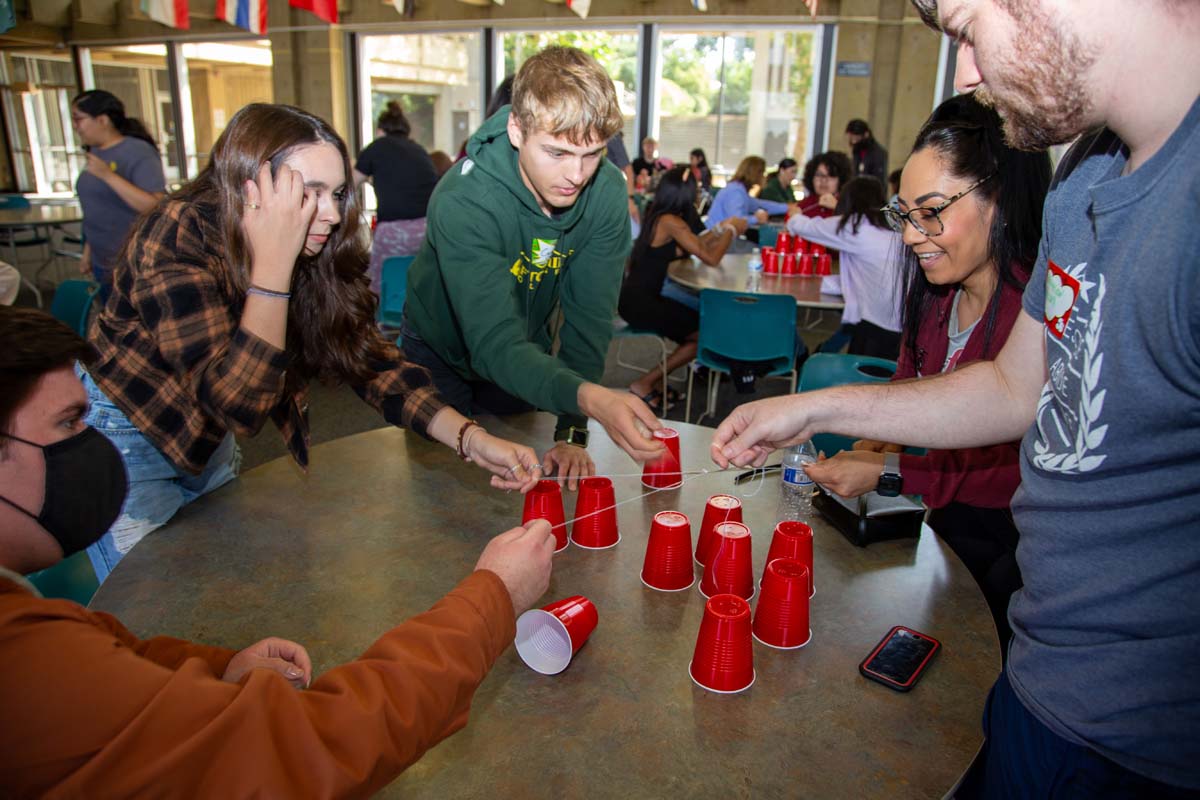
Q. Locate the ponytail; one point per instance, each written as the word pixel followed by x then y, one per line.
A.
pixel 97 102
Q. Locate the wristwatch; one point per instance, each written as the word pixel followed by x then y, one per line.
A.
pixel 572 435
pixel 890 481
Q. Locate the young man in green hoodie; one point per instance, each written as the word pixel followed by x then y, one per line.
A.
pixel 532 222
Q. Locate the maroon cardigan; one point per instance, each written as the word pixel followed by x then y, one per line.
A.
pixel 985 477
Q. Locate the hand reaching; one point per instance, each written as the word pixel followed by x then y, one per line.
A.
pixel 285 657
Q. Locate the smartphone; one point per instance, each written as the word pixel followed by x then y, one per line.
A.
pixel 900 658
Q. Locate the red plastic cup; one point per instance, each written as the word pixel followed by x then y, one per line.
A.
pixel 730 569
pixel 770 259
pixel 787 264
pixel 783 242
pixel 723 660
pixel 550 636
pixel 825 264
pixel 544 501
pixel 664 472
pixel 595 525
pixel 816 249
pixel 799 245
pixel 719 508
pixel 668 563
pixel 804 265
pixel 781 618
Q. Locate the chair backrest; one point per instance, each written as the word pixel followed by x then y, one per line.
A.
pixel 73 578
pixel 393 286
pixel 822 370
pixel 13 201
pixel 767 235
pixel 748 327
pixel 72 303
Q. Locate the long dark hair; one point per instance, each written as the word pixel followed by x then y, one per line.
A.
pixel 862 198
pixel 836 163
pixel 968 139
pixel 676 194
pixel 97 102
pixel 331 317
pixel 699 153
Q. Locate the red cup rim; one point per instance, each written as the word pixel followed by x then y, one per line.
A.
pixel 642 578
pixel 551 666
pixel 753 678
pixel 571 539
pixel 779 647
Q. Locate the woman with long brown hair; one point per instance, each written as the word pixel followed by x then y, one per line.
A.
pixel 229 298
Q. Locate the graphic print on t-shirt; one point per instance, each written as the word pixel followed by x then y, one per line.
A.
pixel 545 258
pixel 1069 433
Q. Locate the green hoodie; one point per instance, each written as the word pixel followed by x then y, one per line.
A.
pixel 485 290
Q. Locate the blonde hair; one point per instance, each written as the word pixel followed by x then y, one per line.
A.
pixel 564 91
pixel 750 172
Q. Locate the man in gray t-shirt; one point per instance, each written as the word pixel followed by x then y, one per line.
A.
pixel 1102 376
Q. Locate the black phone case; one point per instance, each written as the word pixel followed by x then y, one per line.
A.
pixel 916 676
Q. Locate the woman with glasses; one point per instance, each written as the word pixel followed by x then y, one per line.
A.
pixel 870 277
pixel 970 211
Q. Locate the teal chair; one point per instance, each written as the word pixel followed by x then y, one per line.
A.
pixel 73 578
pixel 73 303
pixel 823 370
pixel 744 327
pixel 393 285
pixel 767 234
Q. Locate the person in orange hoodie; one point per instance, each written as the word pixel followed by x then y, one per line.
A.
pixel 90 710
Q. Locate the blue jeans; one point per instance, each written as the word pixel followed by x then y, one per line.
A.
pixel 157 488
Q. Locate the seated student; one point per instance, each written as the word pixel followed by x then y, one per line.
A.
pixel 643 166
pixel 229 297
pixel 735 202
pixel 824 176
pixel 671 229
pixel 90 710
pixel 779 183
pixel 533 224
pixel 701 173
pixel 869 266
pixel 971 211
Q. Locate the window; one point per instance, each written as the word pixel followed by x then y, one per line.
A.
pixel 36 92
pixel 222 77
pixel 137 74
pixel 735 94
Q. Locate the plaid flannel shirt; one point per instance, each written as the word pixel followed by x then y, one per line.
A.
pixel 174 358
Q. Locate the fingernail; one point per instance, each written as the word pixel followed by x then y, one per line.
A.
pixel 292 672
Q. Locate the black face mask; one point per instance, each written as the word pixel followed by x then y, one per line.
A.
pixel 85 489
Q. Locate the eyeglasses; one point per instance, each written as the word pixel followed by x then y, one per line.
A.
pixel 927 219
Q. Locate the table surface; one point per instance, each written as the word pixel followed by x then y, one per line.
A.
pixel 386 522
pixel 41 214
pixel 731 275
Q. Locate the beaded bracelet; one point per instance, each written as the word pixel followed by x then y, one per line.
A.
pixel 461 433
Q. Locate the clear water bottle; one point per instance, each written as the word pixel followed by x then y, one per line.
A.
pixel 796 490
pixel 755 268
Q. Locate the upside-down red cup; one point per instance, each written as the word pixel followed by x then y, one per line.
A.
pixel 723 660
pixel 668 563
pixel 825 264
pixel 550 636
pixel 730 568
pixel 595 525
pixel 816 249
pixel 770 259
pixel 781 618
pixel 544 501
pixel 799 245
pixel 787 264
pixel 664 472
pixel 719 508
pixel 793 539
pixel 783 243
pixel 804 265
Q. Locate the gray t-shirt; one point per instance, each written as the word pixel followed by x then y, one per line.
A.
pixel 106 217
pixel 1106 631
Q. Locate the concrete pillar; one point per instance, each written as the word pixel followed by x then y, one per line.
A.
pixel 310 72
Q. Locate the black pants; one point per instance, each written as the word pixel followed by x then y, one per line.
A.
pixel 467 397
pixel 985 539
pixel 868 339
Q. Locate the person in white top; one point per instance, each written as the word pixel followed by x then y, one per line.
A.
pixel 870 266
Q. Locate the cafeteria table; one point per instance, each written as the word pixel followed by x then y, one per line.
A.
pixel 43 218
pixel 385 522
pixel 731 275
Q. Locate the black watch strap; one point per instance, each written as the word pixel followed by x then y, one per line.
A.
pixel 890 480
pixel 573 435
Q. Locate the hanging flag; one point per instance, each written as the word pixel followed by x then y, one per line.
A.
pixel 700 5
pixel 173 13
pixel 8 17
pixel 580 7
pixel 325 9
pixel 248 14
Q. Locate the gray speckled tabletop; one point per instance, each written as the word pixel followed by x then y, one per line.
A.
pixel 386 522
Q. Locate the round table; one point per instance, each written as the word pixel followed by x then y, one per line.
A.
pixel 731 275
pixel 386 522
pixel 42 218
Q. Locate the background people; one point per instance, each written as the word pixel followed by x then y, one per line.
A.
pixel 124 178
pixel 867 155
pixel 779 183
pixel 824 176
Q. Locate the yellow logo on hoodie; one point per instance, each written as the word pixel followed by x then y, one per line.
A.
pixel 546 258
